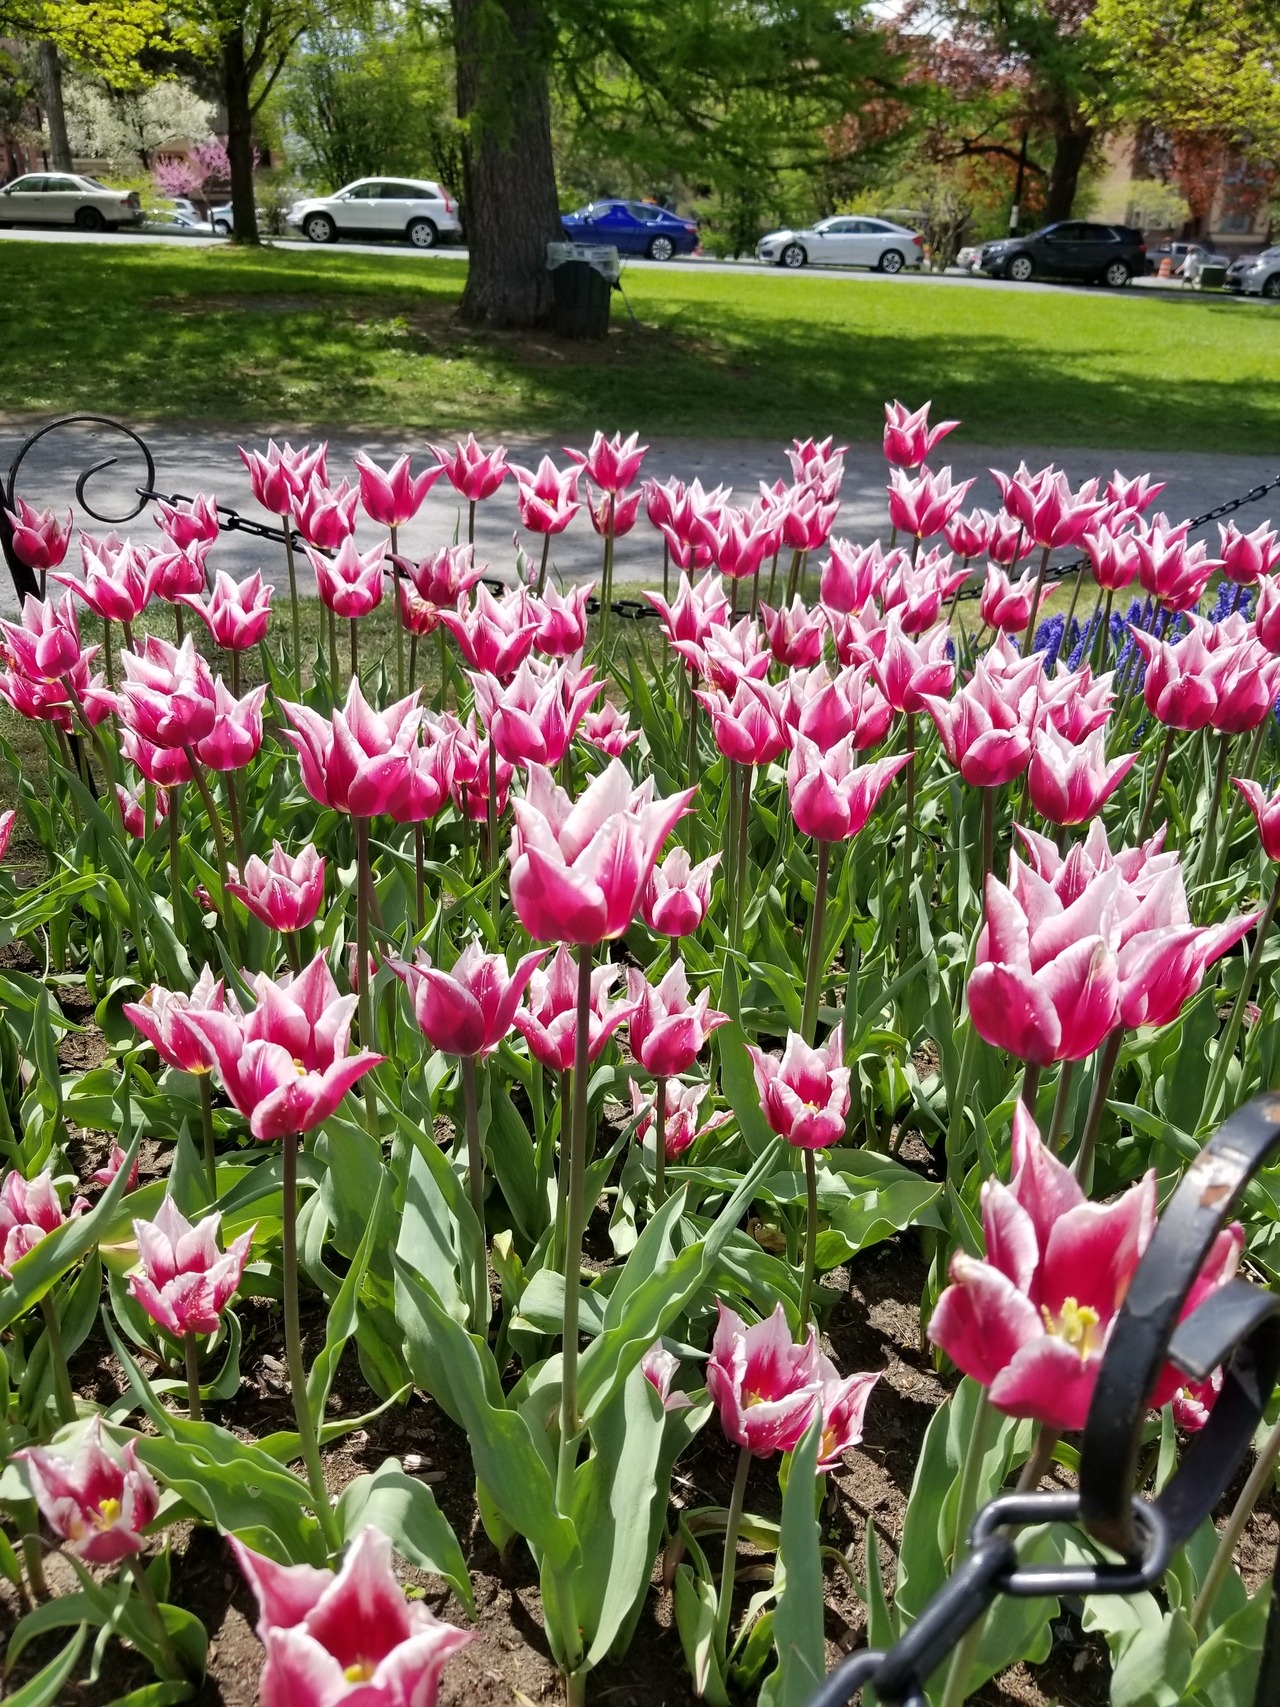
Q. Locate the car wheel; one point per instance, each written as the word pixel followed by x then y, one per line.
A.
pixel 319 228
pixel 89 219
pixel 221 228
pixel 1271 286
pixel 792 256
pixel 1020 269
pixel 422 234
pixel 661 249
pixel 1117 275
pixel 891 262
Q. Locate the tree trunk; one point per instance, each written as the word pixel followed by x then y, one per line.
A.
pixel 509 182
pixel 235 84
pixel 55 117
pixel 1070 146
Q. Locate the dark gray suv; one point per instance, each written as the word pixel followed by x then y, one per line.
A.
pixel 1071 249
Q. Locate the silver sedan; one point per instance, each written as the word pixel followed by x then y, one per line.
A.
pixel 65 198
pixel 845 240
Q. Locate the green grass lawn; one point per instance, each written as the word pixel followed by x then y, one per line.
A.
pixel 337 340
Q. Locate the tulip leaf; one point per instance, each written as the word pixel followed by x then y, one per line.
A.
pixel 432 1225
pixel 406 1512
pixel 353 1174
pixel 542 1306
pixel 458 1371
pixel 47 1685
pixel 695 1609
pixel 343 1312
pixel 238 1487
pixel 1224 1669
pixel 56 1614
pixel 510 1152
pixel 736 1075
pixel 797 1620
pixel 46 1263
pixel 155 1695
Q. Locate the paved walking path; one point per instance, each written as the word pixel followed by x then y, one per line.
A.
pixel 191 461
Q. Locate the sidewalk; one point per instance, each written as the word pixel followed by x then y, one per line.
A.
pixel 188 462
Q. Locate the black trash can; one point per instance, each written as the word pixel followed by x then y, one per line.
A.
pixel 581 307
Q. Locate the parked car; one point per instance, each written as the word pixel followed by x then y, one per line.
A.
pixel 415 210
pixel 1069 249
pixel 845 241
pixel 1177 254
pixel 178 215
pixel 64 198
pixel 632 228
pixel 967 259
pixel 1256 275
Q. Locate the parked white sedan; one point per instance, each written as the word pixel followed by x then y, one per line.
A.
pixel 845 241
pixel 416 210
pixel 63 198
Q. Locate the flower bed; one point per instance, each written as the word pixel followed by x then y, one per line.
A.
pixel 530 1070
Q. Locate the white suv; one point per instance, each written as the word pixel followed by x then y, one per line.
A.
pixel 414 209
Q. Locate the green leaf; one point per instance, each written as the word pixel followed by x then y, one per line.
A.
pixel 46 1686
pixel 695 1609
pixel 797 1621
pixel 736 1075
pixel 1150 1649
pixel 343 1312
pixel 155 1695
pixel 405 1510
pixel 510 1150
pixel 1224 1670
pixel 56 1614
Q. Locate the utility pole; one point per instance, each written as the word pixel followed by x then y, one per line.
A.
pixel 1016 210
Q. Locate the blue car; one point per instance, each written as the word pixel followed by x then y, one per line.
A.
pixel 633 228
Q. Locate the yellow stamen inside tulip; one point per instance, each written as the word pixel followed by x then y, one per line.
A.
pixel 828 1443
pixel 302 1071
pixel 1074 1323
pixel 108 1513
pixel 361 1672
pixel 749 1398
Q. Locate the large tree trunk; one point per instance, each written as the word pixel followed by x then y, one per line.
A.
pixel 235 94
pixel 1070 147
pixel 55 117
pixel 509 182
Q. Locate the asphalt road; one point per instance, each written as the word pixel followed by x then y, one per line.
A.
pixel 908 280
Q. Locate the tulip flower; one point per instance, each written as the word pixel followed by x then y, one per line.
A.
pixel 285 893
pixel 495 636
pixel 854 574
pixel 908 437
pixel 607 730
pixel 689 519
pixel 915 591
pixel 473 473
pixel 445 577
pixel 1075 702
pixel 986 727
pixel 1006 604
pixel 1129 498
pixel 547 1020
pixel 356 759
pixel 794 634
pixel 167 695
pixel 728 656
pixel 1069 783
pixel 1113 556
pixel 766 1388
pixel 611 464
pixel 346 1636
pixel 1194 1401
pixel 29 1212
pixel 1266 619
pixel 236 735
pixel 392 496
pixel 695 611
pixel 614 514
pixel 46 643
pixel 132 804
pixel 1046 507
pixel 237 612
pixel 164 1019
pixel 807 519
pixel 424 786
pixel 831 795
pixel 115 583
pixel 1045 983
pixel 819 464
pixel 472 775
pixel 678 895
pixel 1031 1320
pixel 742 540
pixel 1246 680
pixel 183 1281
pixel 909 670
pixel 167 767
pixel 923 506
pixel 547 499
pixel 185 524
pixel 470 1010
pixel 7 821
pixel 98 1504
pixel 665 1030
pixel 680 1127
pixel 826 709
pixel 968 536
pixel 1266 814
pixel 1170 570
pixel 804 1094
pixel 173 574
pixel 39 539
pixel 659 1368
pixel 1178 683
pixel 747 724
pixel 1163 958
pixel 1247 557
pixel 284 1064
pixel 279 476
pixel 1007 540
pixel 562 622
pixel 579 870
pixel 533 719
pixel 350 582
pixel 844 1410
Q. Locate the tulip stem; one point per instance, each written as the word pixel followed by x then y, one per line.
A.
pixel 293 1344
pixel 191 1356
pixel 1030 1087
pixel 1029 635
pixel 1229 830
pixel 1066 1073
pixel 419 877
pixel 1259 1480
pixel 1075 597
pixel 659 1143
pixel 160 1630
pixel 773 577
pixel 810 1235
pixel 471 522
pixel 988 835
pixel 333 654
pixel 491 829
pixel 542 567
pixel 293 599
pixel 815 966
pixel 175 857
pixel 233 809
pixel 908 843
pixel 219 840
pixel 691 756
pixel 293 952
pixel 1037 1465
pixel 364 891
pixel 1153 791
pixel 740 881
pixel 564 1091
pixel 569 1427
pixel 63 1398
pixel 444 669
pixel 475 1182
pixel 1227 1045
pixel 728 1571
pixel 33 1560
pixel 1205 861
pixel 107 663
pixel 1083 1165
pixel 206 1133
pixel 395 594
pixel 355 649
